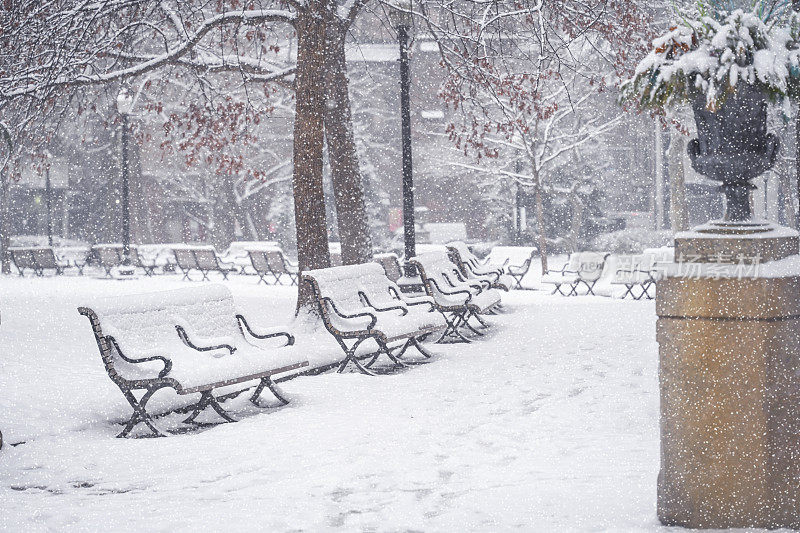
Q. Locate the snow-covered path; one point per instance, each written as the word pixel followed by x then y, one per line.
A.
pixel 548 424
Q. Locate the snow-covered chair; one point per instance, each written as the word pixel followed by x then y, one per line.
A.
pixel 582 269
pixel 279 265
pixel 192 340
pixel 237 252
pixel 633 271
pixel 203 259
pixel 471 267
pixel 40 259
pixel 358 303
pixel 518 272
pixel 109 256
pixel 457 299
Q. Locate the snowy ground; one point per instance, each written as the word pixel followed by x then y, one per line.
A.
pixel 548 424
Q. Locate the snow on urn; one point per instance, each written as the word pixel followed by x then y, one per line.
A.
pixel 728 66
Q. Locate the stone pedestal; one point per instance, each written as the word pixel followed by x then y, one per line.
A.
pixel 729 351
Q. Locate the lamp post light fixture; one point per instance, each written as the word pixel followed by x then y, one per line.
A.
pixel 401 17
pixel 124 106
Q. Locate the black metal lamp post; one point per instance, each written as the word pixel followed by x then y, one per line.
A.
pixel 401 17
pixel 124 106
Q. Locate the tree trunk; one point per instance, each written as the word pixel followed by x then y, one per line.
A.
pixel 348 187
pixel 224 210
pixel 678 214
pixel 309 198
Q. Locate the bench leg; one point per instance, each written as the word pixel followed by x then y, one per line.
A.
pixel 224 274
pixel 293 279
pixel 451 331
pixel 416 344
pixel 273 388
pixel 466 323
pixel 139 413
pixel 207 399
pixel 350 357
pixel 186 274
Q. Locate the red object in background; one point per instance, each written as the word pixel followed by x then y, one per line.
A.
pixel 395 219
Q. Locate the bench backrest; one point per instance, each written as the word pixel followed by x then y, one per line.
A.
pixel 437 267
pixel 391 266
pixel 343 284
pixel 23 258
pixel 144 324
pixel 275 261
pixel 461 252
pixel 259 261
pixel 108 255
pixel 206 258
pixel 630 268
pixel 185 258
pixel 45 257
pixel 588 265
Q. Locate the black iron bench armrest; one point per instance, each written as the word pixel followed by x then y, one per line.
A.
pixel 451 293
pixel 389 308
pixel 223 264
pixel 420 300
pixel 356 315
pixel 185 338
pixel 289 336
pixel 475 284
pixel 167 362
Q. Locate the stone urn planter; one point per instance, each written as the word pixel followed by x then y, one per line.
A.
pixel 733 146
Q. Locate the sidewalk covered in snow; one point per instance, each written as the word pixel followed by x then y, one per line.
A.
pixel 548 423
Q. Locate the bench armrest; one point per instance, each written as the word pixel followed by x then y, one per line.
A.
pixel 185 338
pixel 374 319
pixel 451 293
pixel 414 300
pixel 289 336
pixel 167 362
pixel 399 307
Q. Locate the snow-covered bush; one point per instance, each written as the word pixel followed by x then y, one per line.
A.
pixel 632 240
pixel 710 53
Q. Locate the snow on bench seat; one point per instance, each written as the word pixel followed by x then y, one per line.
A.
pixel 456 298
pixel 144 326
pixel 359 302
pixel 191 340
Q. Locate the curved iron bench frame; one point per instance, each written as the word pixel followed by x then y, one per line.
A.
pixel 109 346
pixel 412 338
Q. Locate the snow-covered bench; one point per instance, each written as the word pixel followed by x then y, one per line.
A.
pixel 237 252
pixel 40 259
pixel 203 259
pixel 191 340
pixel 358 303
pixel 272 262
pixel 456 298
pixel 472 268
pixel 391 266
pixel 109 256
pixel 582 268
pixel 632 272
